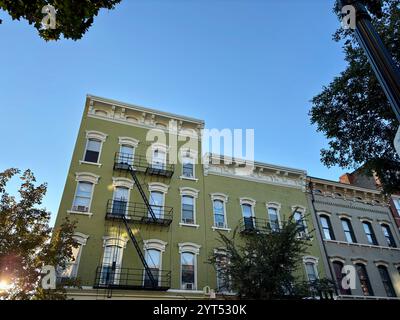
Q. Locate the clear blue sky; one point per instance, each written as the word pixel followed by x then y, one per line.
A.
pixel 234 63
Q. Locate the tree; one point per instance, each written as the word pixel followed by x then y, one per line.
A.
pixel 353 111
pixel 73 17
pixel 261 264
pixel 27 243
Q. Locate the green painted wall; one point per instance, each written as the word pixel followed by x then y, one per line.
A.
pixel 97 227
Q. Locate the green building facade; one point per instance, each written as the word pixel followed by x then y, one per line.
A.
pixel 191 199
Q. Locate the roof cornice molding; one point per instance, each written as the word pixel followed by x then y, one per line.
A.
pixel 115 103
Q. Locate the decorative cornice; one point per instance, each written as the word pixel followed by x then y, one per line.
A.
pixel 115 103
pixel 353 205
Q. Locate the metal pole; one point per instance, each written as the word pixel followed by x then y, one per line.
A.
pixel 382 63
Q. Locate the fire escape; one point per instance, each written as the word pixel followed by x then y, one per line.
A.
pixel 128 215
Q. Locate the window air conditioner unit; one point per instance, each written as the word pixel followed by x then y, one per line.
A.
pixel 189 286
pixel 82 208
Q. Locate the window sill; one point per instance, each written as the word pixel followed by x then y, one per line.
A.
pixel 188 178
pixel 221 229
pixel 89 214
pixel 189 225
pixel 90 163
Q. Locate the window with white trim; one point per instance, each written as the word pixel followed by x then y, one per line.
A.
pixel 310 265
pixel 92 151
pixel 188 214
pixel 188 167
pixel 120 200
pixel 223 278
pixel 153 259
pixel 112 263
pixel 83 197
pixel 273 216
pixel 300 220
pixel 188 271
pixel 159 160
pixel 248 216
pixel 157 203
pixel 71 270
pixel 189 252
pixel 126 154
pixel 93 147
pixel 219 213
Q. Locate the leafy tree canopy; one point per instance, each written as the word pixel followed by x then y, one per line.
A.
pixel 73 18
pixel 27 243
pixel 262 264
pixel 353 111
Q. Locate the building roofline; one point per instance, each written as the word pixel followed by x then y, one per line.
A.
pixel 257 164
pixel 143 109
pixel 343 185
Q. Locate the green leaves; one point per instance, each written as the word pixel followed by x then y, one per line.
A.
pixel 73 18
pixel 353 111
pixel 261 265
pixel 26 240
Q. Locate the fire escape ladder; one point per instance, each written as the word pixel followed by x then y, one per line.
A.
pixel 141 191
pixel 140 253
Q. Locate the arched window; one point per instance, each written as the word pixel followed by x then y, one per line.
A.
pixel 93 148
pixel 388 235
pixel 348 230
pixel 157 198
pixel 247 213
pixel 326 227
pixel 71 270
pixel 188 264
pixel 188 215
pixel 153 259
pixel 83 197
pixel 310 265
pixel 219 210
pixel 219 213
pixel 112 260
pixel 159 160
pixel 189 252
pixel 338 267
pixel 300 220
pixel 364 280
pixel 273 216
pixel 369 232
pixel 387 282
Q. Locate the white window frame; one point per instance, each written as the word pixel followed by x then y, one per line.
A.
pixel 188 247
pixel 161 147
pixel 158 187
pixel 277 206
pixel 130 142
pixel 302 210
pixel 81 239
pixel 154 244
pixel 221 252
pixel 109 241
pixel 94 135
pixel 224 198
pixel 123 183
pixel 194 193
pixel 314 261
pixel 251 203
pixel 192 155
pixel 88 178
